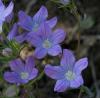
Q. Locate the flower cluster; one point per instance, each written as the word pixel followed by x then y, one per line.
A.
pixel 40 34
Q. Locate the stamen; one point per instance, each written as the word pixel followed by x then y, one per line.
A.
pixel 70 75
pixel 24 75
pixel 47 44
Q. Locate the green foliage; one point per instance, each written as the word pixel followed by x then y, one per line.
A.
pixel 14 46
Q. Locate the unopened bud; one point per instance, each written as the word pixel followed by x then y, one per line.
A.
pixel 7 52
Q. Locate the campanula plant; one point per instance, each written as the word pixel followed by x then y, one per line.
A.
pixel 44 43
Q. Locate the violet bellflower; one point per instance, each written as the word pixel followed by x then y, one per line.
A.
pixel 46 42
pixel 68 74
pixel 33 23
pixel 15 35
pixel 21 73
pixel 4 12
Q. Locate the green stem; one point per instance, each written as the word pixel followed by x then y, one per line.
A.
pixel 77 15
pixel 78 45
pixel 80 93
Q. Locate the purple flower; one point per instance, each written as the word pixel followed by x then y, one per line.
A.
pixel 4 12
pixel 9 18
pixel 46 41
pixel 33 23
pixel 21 73
pixel 15 35
pixel 68 74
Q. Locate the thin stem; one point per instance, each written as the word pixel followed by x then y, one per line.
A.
pixel 77 15
pixel 78 44
pixel 94 77
pixel 32 2
pixel 80 93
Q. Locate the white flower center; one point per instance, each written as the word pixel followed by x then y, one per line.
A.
pixel 70 75
pixel 35 28
pixel 47 44
pixel 24 75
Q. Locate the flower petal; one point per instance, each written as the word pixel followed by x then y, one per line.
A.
pixel 68 59
pixel 80 65
pixel 41 15
pixel 33 39
pixel 22 15
pixel 44 31
pixel 2 7
pixel 40 53
pixel 54 72
pixel 17 65
pixel 25 21
pixel 61 85
pixel 21 38
pixel 12 77
pixel 52 22
pixel 33 74
pixel 8 10
pixel 9 18
pixel 13 32
pixel 77 82
pixel 58 36
pixel 55 50
pixel 30 64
